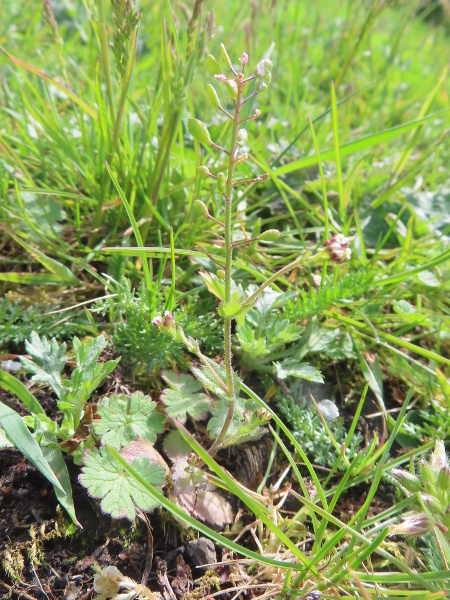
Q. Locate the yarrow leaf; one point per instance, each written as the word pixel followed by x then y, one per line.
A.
pixel 126 418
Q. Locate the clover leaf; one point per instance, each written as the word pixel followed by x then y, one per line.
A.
pixel 127 418
pixel 119 492
pixel 184 397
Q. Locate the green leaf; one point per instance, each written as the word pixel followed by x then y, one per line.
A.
pixel 106 479
pixel 227 310
pixel 48 361
pixel 126 418
pixel 10 383
pixel 19 435
pixel 55 459
pixel 291 368
pixel 219 413
pixel 65 275
pixel 250 345
pixel 351 147
pixel 210 382
pixel 184 397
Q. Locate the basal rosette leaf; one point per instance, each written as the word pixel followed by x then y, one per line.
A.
pixel 127 418
pixel 105 479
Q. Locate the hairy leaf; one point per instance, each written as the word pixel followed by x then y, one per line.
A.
pixel 49 360
pixel 105 478
pixel 291 368
pixel 210 382
pixel 184 398
pixel 126 418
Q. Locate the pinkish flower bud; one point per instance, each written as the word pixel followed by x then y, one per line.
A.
pixel 419 524
pixel 157 322
pixel 169 321
pixel 338 248
pixel 244 59
pixel 221 77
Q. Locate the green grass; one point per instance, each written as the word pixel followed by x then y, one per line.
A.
pixel 94 167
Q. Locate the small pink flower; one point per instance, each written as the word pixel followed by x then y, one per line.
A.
pixel 169 321
pixel 221 77
pixel 157 322
pixel 419 524
pixel 338 248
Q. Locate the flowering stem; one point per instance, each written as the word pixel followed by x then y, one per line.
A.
pixel 228 260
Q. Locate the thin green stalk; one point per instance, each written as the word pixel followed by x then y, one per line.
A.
pixel 105 54
pixel 228 271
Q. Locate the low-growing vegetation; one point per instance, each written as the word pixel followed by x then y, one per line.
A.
pixel 224 329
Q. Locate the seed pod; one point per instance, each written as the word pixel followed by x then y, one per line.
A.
pixel 242 137
pixel 220 274
pixel 203 170
pixel 225 56
pixel 212 95
pixel 263 74
pixel 270 235
pixel 199 131
pixel 201 208
pixel 212 65
pixel 221 182
pixel 232 88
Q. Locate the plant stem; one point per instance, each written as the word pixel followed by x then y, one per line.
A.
pixel 228 260
pixel 105 54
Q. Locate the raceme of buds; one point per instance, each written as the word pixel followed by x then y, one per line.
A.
pixel 212 95
pixel 407 480
pixel 263 74
pixel 212 65
pixel 338 248
pixel 419 524
pixel 199 131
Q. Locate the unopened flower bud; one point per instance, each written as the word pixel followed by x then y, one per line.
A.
pixel 212 65
pixel 220 274
pixel 201 208
pixel 221 77
pixel 244 59
pixel 242 137
pixel 271 235
pixel 263 177
pixel 443 480
pixel 225 56
pixel 157 322
pixel 263 414
pixel 427 473
pixel 221 183
pixel 432 503
pixel 407 480
pixel 338 248
pixel 419 524
pixel 212 95
pixel 439 458
pixel 199 131
pixel 257 113
pixel 232 88
pixel 169 321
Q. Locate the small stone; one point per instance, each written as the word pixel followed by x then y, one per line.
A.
pixel 201 552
